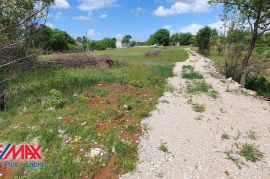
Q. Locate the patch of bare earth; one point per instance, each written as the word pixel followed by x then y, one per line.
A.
pixel 206 144
pixel 107 171
pixel 5 172
pixel 117 123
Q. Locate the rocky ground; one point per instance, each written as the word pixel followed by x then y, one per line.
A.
pixel 223 132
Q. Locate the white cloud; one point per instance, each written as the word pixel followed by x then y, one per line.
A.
pixel 219 26
pixel 194 28
pixel 182 6
pixel 91 32
pixel 138 11
pixel 90 5
pixel 103 16
pixel 61 4
pixel 82 18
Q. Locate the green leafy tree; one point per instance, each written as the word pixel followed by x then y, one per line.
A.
pixel 185 38
pixel 255 13
pixel 53 39
pixel 203 39
pixel 127 39
pixel 17 21
pixel 162 37
pixel 174 38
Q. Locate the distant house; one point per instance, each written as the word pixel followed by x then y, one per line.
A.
pixel 121 44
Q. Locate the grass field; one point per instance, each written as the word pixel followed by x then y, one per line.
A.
pixel 71 111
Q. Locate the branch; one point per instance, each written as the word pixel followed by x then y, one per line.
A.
pixel 24 20
pixel 7 79
pixel 14 61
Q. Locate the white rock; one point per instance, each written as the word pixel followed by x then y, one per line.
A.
pixel 94 152
pixel 61 132
pixel 59 118
pixel 83 124
pixel 113 149
pixel 51 109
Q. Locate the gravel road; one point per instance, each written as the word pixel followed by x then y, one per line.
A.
pixel 193 140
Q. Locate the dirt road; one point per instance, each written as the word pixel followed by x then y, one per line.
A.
pixel 212 143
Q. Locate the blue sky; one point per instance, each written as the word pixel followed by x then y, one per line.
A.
pixel 139 18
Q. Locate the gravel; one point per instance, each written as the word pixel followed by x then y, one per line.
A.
pixel 196 149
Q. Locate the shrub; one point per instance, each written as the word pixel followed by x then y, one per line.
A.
pixel 56 99
pixel 259 84
pixel 154 53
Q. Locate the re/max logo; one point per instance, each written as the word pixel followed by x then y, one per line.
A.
pixel 23 152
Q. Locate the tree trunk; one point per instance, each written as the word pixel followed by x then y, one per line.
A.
pixel 244 67
pixel 2 98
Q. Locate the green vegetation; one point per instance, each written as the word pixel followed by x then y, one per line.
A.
pixel 182 38
pixel 73 110
pixel 192 75
pixel 201 87
pixel 203 39
pixel 199 107
pixel 225 136
pixel 160 37
pixel 252 135
pixel 163 147
pixel 50 39
pixel 251 152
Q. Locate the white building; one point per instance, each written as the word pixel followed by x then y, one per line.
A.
pixel 121 44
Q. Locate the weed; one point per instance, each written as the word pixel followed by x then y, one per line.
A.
pixel 235 160
pixel 192 75
pixel 132 129
pixel 199 107
pixel 252 135
pixel 225 136
pixel 188 67
pixel 189 73
pixel 56 99
pixel 163 147
pixel 201 87
pixel 251 152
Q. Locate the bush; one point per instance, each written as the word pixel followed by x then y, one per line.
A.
pixel 259 84
pixel 154 53
pixel 56 99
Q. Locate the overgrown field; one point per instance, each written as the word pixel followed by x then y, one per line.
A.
pixel 87 119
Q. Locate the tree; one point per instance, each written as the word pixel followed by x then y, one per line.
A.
pixel 255 14
pixel 53 39
pixel 127 39
pixel 203 39
pixel 162 37
pixel 17 21
pixel 151 40
pixel 185 38
pixel 133 43
pixel 174 38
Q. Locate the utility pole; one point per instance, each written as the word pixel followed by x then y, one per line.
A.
pixel 86 49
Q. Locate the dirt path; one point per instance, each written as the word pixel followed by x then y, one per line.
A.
pixel 195 146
